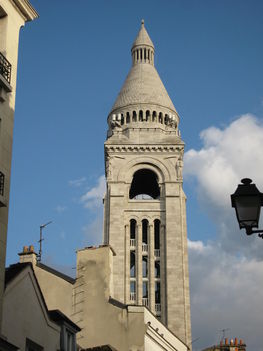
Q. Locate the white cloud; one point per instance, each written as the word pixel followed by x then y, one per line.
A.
pixel 227 156
pixel 225 293
pixel 93 198
pixel 226 274
pixel 77 182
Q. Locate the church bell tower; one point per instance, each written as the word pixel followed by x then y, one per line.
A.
pixel 144 206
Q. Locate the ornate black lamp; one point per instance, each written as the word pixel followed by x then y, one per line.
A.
pixel 247 201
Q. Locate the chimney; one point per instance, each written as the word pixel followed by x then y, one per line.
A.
pixel 226 341
pixel 236 342
pixel 28 255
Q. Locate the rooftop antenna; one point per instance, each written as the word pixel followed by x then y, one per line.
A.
pixel 223 331
pixel 40 240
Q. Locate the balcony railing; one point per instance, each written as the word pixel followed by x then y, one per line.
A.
pixel 5 68
pixel 132 296
pixel 132 242
pixel 158 309
pixel 145 301
pixel 157 253
pixel 2 183
pixel 144 247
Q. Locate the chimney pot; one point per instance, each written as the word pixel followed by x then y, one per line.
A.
pixel 31 248
pixel 226 341
pixel 221 343
pixel 25 248
pixel 231 342
pixel 236 341
pixel 241 342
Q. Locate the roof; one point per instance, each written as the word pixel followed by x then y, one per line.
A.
pixel 143 38
pixel 100 348
pixel 57 273
pixel 13 270
pixel 59 317
pixel 55 315
pixel 143 84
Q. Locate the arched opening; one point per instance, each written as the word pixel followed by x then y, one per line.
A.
pixel 161 118
pixel 145 232
pixel 132 232
pixel 122 119
pixel 140 116
pixel 166 119
pixel 154 116
pixel 144 185
pixel 134 116
pixel 147 115
pixel 128 119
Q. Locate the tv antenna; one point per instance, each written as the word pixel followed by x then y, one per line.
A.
pixel 40 240
pixel 223 331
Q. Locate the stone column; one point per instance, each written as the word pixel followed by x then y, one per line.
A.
pixel 151 270
pixel 127 265
pixel 139 264
pixel 163 273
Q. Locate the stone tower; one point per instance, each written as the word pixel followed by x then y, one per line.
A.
pixel 144 206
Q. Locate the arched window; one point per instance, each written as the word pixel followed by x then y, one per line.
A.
pixel 122 119
pixel 166 119
pixel 145 232
pixel 134 116
pixel 132 232
pixel 128 118
pixel 154 116
pixel 160 117
pixel 144 185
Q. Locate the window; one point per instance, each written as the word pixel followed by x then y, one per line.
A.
pixel 32 346
pixel 132 228
pixel 68 339
pixel 157 292
pixel 157 234
pixel 145 231
pixel 157 269
pixel 144 266
pixel 132 264
pixel 145 290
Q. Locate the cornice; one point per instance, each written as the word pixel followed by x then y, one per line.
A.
pixel 26 9
pixel 143 148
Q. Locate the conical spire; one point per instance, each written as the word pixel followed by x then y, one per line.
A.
pixel 143 38
pixel 142 48
pixel 143 97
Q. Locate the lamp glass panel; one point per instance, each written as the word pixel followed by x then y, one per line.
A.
pixel 248 210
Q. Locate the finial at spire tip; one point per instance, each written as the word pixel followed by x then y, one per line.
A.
pixel 142 22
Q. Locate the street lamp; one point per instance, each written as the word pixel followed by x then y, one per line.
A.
pixel 247 201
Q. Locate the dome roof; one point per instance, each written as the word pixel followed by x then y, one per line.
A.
pixel 143 84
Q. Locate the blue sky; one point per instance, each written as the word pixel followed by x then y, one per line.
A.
pixel 72 63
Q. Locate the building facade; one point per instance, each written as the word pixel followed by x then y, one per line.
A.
pixel 144 205
pixel 13 15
